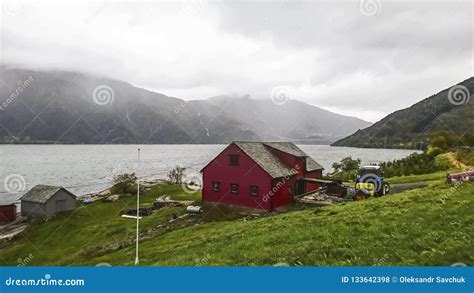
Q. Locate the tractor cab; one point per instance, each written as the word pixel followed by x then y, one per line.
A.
pixel 370 182
pixel 371 169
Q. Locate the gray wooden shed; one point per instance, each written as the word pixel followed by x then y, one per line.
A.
pixel 44 201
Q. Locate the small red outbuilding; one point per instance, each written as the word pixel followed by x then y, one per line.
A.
pixel 7 213
pixel 258 175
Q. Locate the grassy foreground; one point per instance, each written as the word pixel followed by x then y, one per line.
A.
pixel 79 234
pixel 429 226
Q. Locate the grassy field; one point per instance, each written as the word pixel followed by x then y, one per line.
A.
pixel 441 175
pixel 429 226
pixel 79 234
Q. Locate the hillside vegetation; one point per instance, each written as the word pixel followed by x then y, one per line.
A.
pixel 412 127
pixel 429 226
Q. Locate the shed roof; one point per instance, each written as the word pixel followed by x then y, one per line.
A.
pixel 42 193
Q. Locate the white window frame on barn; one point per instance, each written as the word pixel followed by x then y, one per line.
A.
pixel 253 190
pixel 236 191
pixel 215 186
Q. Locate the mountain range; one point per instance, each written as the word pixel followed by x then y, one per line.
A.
pixel 77 108
pixel 451 110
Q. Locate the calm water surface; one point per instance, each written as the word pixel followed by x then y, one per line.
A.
pixel 89 168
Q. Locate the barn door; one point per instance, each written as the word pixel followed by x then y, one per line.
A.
pixel 300 187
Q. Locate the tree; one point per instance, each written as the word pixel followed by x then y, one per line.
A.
pixel 442 140
pixel 347 164
pixel 337 167
pixel 346 169
pixel 176 175
pixel 125 178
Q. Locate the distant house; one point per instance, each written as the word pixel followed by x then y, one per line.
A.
pixel 7 213
pixel 44 201
pixel 261 176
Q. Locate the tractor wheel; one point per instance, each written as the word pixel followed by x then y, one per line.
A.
pixel 386 188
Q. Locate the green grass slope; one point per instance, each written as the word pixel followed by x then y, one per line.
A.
pixel 79 234
pixel 429 226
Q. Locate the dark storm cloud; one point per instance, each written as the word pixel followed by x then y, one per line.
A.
pixel 331 54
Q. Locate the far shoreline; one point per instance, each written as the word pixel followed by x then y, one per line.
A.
pixel 170 144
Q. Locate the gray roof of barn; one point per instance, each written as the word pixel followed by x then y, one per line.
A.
pixel 42 193
pixel 312 165
pixel 265 159
pixel 260 153
pixel 287 147
pixel 292 149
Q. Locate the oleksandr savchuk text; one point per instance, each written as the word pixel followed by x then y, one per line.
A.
pixel 403 279
pixel 432 280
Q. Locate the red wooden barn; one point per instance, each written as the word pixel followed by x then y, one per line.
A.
pixel 7 213
pixel 258 175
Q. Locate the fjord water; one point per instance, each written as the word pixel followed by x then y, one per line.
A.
pixel 89 168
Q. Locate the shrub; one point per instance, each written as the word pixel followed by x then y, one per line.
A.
pixel 124 183
pixel 434 151
pixel 442 163
pixel 176 175
pixel 416 164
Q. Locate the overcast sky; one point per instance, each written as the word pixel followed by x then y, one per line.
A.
pixel 364 59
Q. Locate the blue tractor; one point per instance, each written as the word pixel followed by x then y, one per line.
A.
pixel 370 182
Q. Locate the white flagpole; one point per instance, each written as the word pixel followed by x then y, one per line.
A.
pixel 138 208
